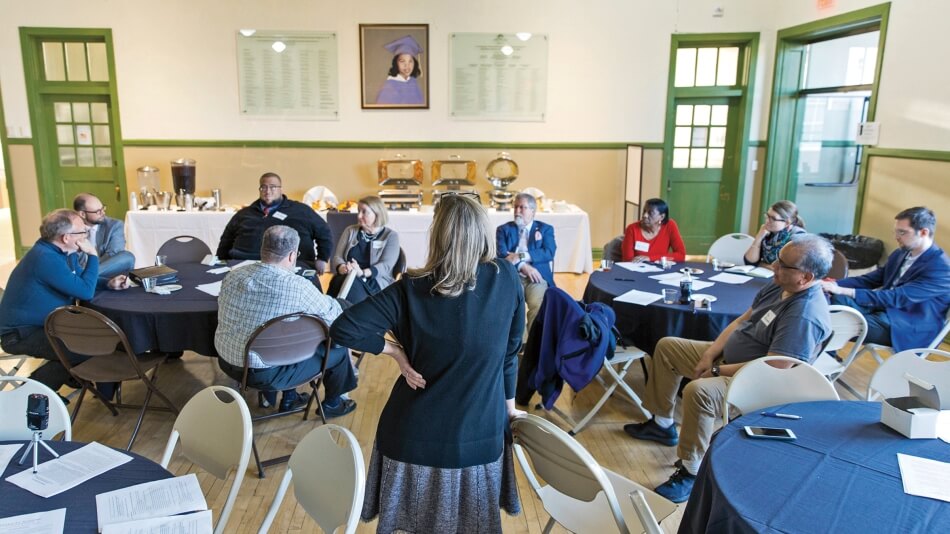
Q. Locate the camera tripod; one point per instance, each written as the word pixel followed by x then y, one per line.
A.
pixel 33 446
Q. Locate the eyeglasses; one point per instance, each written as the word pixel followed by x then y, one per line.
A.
pixel 99 211
pixel 84 232
pixel 778 262
pixel 773 219
pixel 268 188
pixel 902 232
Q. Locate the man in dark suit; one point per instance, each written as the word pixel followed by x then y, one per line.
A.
pixel 106 234
pixel 905 303
pixel 529 245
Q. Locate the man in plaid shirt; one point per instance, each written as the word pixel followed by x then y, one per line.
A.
pixel 257 293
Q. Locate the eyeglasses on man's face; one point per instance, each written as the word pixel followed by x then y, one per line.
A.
pixel 99 211
pixel 779 263
pixel 82 232
pixel 268 188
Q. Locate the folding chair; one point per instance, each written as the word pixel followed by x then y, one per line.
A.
pixel 888 380
pixel 184 249
pixel 579 493
pixel 847 324
pixel 730 248
pixel 759 385
pixel 327 453
pixel 19 359
pixel 287 340
pixel 877 351
pixel 111 359
pixel 13 410
pixel 215 432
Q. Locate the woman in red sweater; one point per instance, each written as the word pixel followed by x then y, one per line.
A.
pixel 655 235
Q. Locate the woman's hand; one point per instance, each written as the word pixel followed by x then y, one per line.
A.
pixel 513 411
pixel 343 268
pixel 413 378
pixel 641 259
pixel 763 231
pixel 353 265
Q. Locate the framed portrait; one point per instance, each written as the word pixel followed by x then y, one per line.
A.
pixel 394 66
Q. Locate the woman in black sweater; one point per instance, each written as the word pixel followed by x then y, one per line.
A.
pixel 440 463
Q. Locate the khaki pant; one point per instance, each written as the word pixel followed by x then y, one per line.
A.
pixel 533 296
pixel 673 359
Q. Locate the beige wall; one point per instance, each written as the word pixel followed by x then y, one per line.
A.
pixel 23 170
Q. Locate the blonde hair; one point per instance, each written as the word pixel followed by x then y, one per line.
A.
pixel 787 210
pixel 460 239
pixel 375 204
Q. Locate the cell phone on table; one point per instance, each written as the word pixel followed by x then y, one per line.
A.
pixel 309 273
pixel 766 432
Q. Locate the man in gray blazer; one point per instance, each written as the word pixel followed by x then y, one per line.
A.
pixel 107 234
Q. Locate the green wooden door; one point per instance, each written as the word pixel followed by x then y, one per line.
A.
pixel 704 148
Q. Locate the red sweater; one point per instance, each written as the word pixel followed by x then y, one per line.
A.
pixel 668 238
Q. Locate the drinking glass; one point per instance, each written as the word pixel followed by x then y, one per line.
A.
pixel 606 265
pixel 160 260
pixel 670 296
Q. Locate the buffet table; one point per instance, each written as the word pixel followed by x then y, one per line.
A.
pixel 145 231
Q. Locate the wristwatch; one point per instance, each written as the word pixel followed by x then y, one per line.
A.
pixel 714 370
pixel 522 256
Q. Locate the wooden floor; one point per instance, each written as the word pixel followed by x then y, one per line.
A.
pixel 647 463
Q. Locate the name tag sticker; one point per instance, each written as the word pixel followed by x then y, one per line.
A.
pixel 641 246
pixel 768 318
pixel 379 244
pixel 537 236
pixel 279 216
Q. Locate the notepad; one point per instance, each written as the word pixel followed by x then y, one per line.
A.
pixel 638 297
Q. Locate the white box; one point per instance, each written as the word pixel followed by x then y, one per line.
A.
pixel 917 416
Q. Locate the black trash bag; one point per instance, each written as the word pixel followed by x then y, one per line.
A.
pixel 862 251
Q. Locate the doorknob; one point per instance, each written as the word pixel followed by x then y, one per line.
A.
pixel 118 194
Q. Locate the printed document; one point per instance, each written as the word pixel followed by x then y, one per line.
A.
pixel 197 523
pixel 160 498
pixel 69 470
pixel 924 477
pixel 51 522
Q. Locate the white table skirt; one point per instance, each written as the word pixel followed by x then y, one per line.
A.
pixel 145 231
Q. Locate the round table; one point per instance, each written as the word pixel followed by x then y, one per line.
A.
pixel 183 320
pixel 79 502
pixel 644 326
pixel 840 475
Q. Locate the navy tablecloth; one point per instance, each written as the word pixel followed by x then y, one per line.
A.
pixel 840 475
pixel 183 320
pixel 644 326
pixel 79 502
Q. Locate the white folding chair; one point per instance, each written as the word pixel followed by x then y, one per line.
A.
pixel 877 351
pixel 759 385
pixel 18 359
pixel 579 493
pixel 847 324
pixel 888 380
pixel 13 410
pixel 215 432
pixel 329 478
pixel 730 248
pixel 616 369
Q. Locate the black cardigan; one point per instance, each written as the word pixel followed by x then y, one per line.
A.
pixel 465 348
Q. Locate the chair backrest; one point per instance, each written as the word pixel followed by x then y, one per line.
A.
pixel 839 266
pixel 760 385
pixel 847 324
pixel 327 453
pixel 888 380
pixel 184 249
pixel 287 339
pixel 216 433
pixel 338 221
pixel 564 464
pixel 943 333
pixel 13 410
pixel 730 248
pixel 399 268
pixel 613 249
pixel 88 333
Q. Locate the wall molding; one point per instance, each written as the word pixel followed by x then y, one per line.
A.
pixel 256 143
pixel 908 153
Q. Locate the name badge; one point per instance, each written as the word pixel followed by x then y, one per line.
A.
pixel 537 236
pixel 379 244
pixel 641 246
pixel 279 216
pixel 768 318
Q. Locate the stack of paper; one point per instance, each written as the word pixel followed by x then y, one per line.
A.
pixel 638 267
pixel 154 507
pixel 925 477
pixel 212 289
pixel 51 522
pixel 69 470
pixel 638 297
pixel 728 278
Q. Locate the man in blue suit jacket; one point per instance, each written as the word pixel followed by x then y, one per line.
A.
pixel 529 245
pixel 106 234
pixel 905 303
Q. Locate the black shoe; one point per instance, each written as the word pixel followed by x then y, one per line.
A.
pixel 651 431
pixel 346 406
pixel 295 402
pixel 678 487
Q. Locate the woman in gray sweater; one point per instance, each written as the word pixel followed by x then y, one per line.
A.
pixel 368 250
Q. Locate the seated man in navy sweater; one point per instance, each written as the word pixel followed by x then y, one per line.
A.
pixel 49 276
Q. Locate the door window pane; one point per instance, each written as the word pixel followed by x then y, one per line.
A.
pixel 728 65
pixel 80 112
pixel 63 112
pixel 84 157
pixel 76 62
pixel 103 156
pixel 64 134
pixel 684 115
pixel 717 136
pixel 67 156
pixel 100 134
pixel 83 134
pixel 844 61
pixel 701 116
pixel 54 64
pixel 706 67
pixel 700 136
pixel 697 158
pixel 680 158
pixel 100 112
pixel 98 64
pixel 685 67
pixel 682 136
pixel 715 158
pixel 720 114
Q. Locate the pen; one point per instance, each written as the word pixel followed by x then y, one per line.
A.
pixel 625 279
pixel 781 415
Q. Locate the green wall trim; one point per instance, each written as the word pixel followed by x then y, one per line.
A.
pixel 20 141
pixel 759 143
pixel 908 153
pixel 256 143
